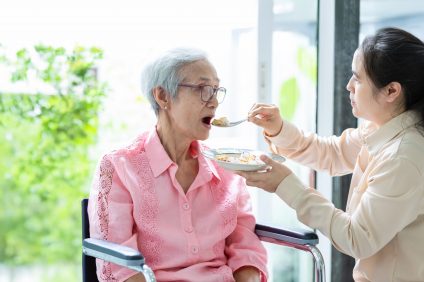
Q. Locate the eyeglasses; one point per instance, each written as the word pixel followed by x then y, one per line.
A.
pixel 207 92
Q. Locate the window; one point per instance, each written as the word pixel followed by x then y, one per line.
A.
pixel 408 15
pixel 284 45
pixel 132 32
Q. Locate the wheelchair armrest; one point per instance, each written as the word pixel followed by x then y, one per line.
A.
pixel 112 252
pixel 304 240
pixel 298 238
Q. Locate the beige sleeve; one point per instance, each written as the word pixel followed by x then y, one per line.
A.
pixel 335 154
pixel 390 203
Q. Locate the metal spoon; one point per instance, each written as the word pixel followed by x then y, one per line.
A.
pixel 227 123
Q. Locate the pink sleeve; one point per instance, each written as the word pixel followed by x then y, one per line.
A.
pixel 110 215
pixel 243 247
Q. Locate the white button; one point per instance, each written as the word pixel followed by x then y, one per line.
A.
pixel 194 250
pixel 186 206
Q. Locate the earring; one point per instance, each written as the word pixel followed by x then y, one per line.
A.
pixel 165 108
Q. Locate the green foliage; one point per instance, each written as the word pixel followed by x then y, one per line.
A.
pixel 45 139
pixel 289 94
pixel 307 62
pixel 289 98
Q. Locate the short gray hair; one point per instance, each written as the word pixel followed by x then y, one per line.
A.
pixel 165 72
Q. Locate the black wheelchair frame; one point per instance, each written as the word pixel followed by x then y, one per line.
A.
pixel 130 258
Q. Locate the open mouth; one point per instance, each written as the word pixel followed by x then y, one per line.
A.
pixel 207 120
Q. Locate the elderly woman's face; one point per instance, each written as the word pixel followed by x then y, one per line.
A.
pixel 190 115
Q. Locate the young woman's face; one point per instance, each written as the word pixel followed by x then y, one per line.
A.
pixel 364 97
pixel 190 116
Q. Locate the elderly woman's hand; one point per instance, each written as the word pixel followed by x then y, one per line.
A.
pixel 247 274
pixel 266 116
pixel 269 179
pixel 136 278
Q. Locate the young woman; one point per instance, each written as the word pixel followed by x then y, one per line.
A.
pixel 383 226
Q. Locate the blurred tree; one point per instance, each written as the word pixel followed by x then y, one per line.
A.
pixel 289 94
pixel 45 140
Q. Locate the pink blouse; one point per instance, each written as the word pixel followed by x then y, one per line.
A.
pixel 203 235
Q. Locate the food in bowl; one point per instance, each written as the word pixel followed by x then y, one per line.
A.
pixel 243 158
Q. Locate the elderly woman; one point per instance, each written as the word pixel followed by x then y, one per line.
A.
pixel 191 220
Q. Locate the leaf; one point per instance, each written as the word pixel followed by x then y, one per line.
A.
pixel 289 98
pixel 307 62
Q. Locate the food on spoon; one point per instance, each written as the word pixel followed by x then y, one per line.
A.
pixel 222 121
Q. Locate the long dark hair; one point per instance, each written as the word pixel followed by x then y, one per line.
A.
pixel 395 55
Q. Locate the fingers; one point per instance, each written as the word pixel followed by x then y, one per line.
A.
pixel 258 121
pixel 267 160
pixel 261 116
pixel 255 105
pixel 268 179
pixel 255 179
pixel 274 166
pixel 252 176
pixel 263 110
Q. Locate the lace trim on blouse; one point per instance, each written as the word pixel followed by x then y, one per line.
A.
pixel 105 183
pixel 149 209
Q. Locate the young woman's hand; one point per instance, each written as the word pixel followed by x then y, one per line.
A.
pixel 266 116
pixel 269 179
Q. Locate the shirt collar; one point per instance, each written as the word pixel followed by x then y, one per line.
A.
pixel 159 160
pixel 390 130
pixel 206 163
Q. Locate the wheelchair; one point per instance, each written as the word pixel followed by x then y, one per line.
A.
pixel 133 259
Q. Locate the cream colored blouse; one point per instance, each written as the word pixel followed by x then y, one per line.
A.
pixel 383 226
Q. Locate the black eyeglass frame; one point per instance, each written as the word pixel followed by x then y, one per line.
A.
pixel 216 90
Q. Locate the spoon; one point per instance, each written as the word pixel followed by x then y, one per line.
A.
pixel 224 122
